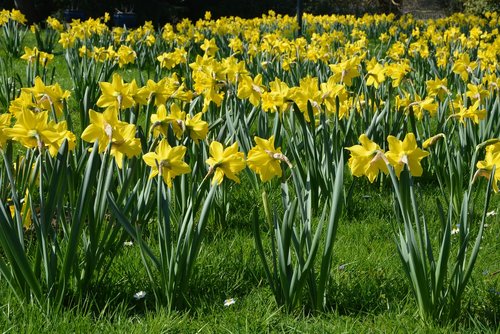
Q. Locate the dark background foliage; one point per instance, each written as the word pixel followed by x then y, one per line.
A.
pixel 162 11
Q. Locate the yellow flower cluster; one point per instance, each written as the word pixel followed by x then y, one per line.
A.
pixel 34 55
pixel 368 159
pixel 33 128
pixel 264 159
pixel 14 15
pixel 333 70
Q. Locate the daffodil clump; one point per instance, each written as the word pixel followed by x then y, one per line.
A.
pixel 187 110
pixel 422 72
pixel 36 113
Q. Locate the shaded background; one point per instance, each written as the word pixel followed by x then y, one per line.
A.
pixel 162 11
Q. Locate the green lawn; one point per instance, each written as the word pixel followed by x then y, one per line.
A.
pixel 369 291
pixel 368 288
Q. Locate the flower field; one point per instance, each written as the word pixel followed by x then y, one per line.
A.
pixel 344 175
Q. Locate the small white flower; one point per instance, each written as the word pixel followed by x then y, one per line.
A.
pixel 491 213
pixel 139 295
pixel 229 302
pixel 128 243
pixel 455 230
pixel 343 266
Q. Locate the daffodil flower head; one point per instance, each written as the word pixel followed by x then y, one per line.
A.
pixel 491 159
pixel 124 142
pixel 48 97
pixel 167 162
pixel 5 120
pixel 209 46
pixel 405 152
pixel 108 130
pixel 197 128
pixel 33 130
pixel 473 112
pixel 251 89
pixel 126 55
pixel 225 162
pixel 101 127
pixel 116 94
pixel 264 159
pixel 177 120
pixel 433 140
pixel 34 55
pixel 159 122
pixel 307 92
pixel 376 73
pixel 366 159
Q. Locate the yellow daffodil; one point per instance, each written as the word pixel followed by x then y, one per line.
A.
pixel 405 152
pixel 491 158
pixel 4 124
pixel 108 130
pixel 473 112
pixel 225 162
pixel 432 140
pixel 22 103
pixel 167 162
pixel 196 127
pixel 376 73
pixel 55 24
pixel 160 121
pixel 162 91
pixel 210 47
pixel 366 159
pixel 48 97
pixel 126 55
pixel 16 15
pixel 264 159
pixel 251 89
pixel 34 55
pixel 101 127
pixel 177 119
pixel 397 72
pixel 169 60
pixel 418 106
pixel 331 91
pixel 208 80
pixel 308 91
pixel 64 134
pixel 236 45
pixel 278 98
pixel 345 71
pixel 234 68
pixel 115 94
pixel 464 66
pixel 476 92
pixel 437 87
pixel 124 143
pixel 33 130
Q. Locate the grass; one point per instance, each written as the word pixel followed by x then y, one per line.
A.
pixel 368 290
